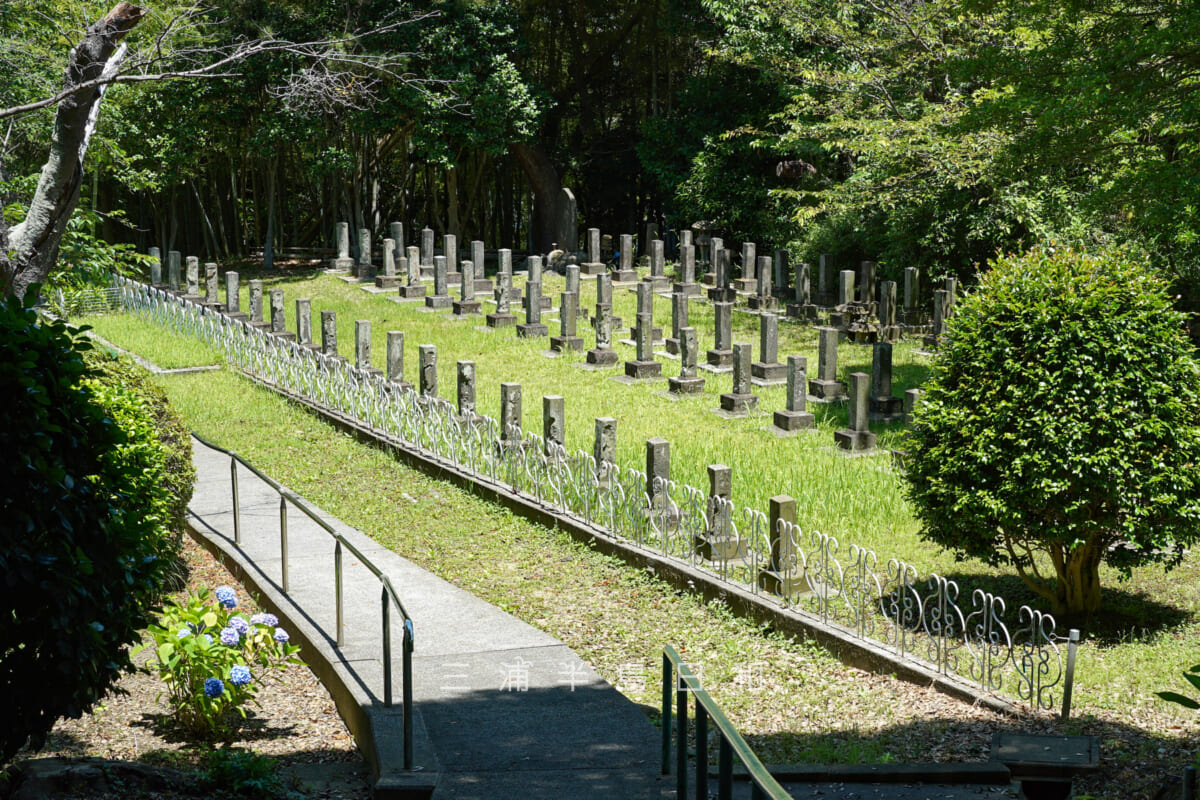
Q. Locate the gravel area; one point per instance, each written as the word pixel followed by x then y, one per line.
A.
pixel 297 726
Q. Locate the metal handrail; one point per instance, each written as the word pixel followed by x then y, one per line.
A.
pixel 388 591
pixel 763 785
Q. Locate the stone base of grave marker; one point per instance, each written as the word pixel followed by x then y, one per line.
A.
pixel 930 341
pixel 861 335
pixel 890 333
pixel 690 289
pixel 313 346
pixel 685 385
pixel 718 294
pixel 745 285
pixel 194 298
pixel 264 326
pixel 887 407
pixel 439 301
pixel 592 268
pixel 827 390
pixel 659 282
pixel 560 343
pixel 794 420
pixel 387 281
pixel 643 370
pixel 911 317
pixel 466 308
pixel 532 330
pixel 712 547
pixel 763 374
pixel 501 320
pixel 484 286
pixel 238 316
pixel 672 346
pixel 341 264
pixel 454 279
pixel 855 441
pixel 413 291
pixel 215 307
pixel 735 403
pixel 624 276
pixel 372 371
pixel 365 272
pixel 287 336
pixel 787 583
pixel 602 358
pixel 719 358
pixel 798 311
pixel 759 303
pixel 709 279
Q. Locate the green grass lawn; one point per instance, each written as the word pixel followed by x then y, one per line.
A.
pixel 150 342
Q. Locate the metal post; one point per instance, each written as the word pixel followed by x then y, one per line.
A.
pixel 283 546
pixel 701 752
pixel 724 770
pixel 667 683
pixel 681 727
pixel 337 587
pixel 237 511
pixel 1069 681
pixel 387 647
pixel 406 713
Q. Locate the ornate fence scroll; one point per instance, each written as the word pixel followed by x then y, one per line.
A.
pixel 839 586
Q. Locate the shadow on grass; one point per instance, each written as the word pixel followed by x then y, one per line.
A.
pixel 1128 614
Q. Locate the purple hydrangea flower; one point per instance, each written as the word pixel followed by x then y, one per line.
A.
pixel 213 687
pixel 239 675
pixel 230 637
pixel 226 597
pixel 281 635
pixel 207 638
pixel 265 619
pixel 239 624
pixel 183 633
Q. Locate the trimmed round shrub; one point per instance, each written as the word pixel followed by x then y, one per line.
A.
pixel 86 542
pixel 1058 430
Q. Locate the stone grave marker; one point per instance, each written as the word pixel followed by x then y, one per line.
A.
pixel 602 355
pixel 825 281
pixel 686 276
pixel 679 320
pixel 764 297
pixel 440 299
pixel 233 302
pixel 212 297
pixel 466 390
pixel 888 329
pixel 783 579
pixel 341 235
pixel 278 317
pixel 594 265
pixel 658 276
pixel 748 283
pixel 857 437
pixel 396 231
pixel 554 422
pixel 502 317
pixel 644 367
pixel 450 250
pixel 567 338
pixel 365 269
pixel 427 358
pixel 768 371
pixel 826 387
pixel 192 272
pixel 624 272
pixel 413 289
pixel 741 400
pixel 156 267
pixel 689 381
pixel 532 328
pixel 174 264
pixel 329 344
pixel 720 357
pixel 362 347
pixel 780 273
pixel 866 289
pixel 466 305
pixel 719 542
pixel 304 323
pixel 395 359
pixel 256 305
pixel 427 249
pixel 794 417
pixel 510 414
pixel 883 405
pixel 388 279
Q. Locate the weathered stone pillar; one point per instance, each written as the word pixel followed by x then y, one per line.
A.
pixel 329 333
pixel 510 413
pixel 193 276
pixel 782 578
pixel 795 417
pixel 466 389
pixel 395 357
pixel 554 421
pixel 427 357
pixel 767 371
pixel 211 285
pixel 826 386
pixel 721 356
pixel 858 436
pixel 741 400
pixel 155 266
pixel 174 262
pixel 679 320
pixel 567 338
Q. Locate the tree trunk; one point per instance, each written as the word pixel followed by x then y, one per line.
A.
pixel 547 187
pixel 1078 589
pixel 32 246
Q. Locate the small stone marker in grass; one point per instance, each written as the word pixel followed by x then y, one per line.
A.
pixel 644 367
pixel 388 279
pixel 567 338
pixel 720 357
pixel 768 371
pixel 719 542
pixel 329 345
pixel 395 359
pixel 825 387
pixel 502 317
pixel 440 298
pixel 427 356
pixel 532 328
pixel 343 262
pixel 783 578
pixel 688 381
pixel 602 355
pixel 884 406
pixel 467 305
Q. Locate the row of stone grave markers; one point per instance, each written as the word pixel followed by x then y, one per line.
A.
pixel 862 315
pixel 867 395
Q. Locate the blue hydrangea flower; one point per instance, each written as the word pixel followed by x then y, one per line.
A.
pixel 213 687
pixel 230 637
pixel 207 638
pixel 265 619
pixel 239 675
pixel 226 597
pixel 281 635
pixel 183 633
pixel 239 624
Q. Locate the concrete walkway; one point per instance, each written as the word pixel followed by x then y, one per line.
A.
pixel 502 710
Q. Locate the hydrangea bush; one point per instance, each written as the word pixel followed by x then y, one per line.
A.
pixel 215 661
